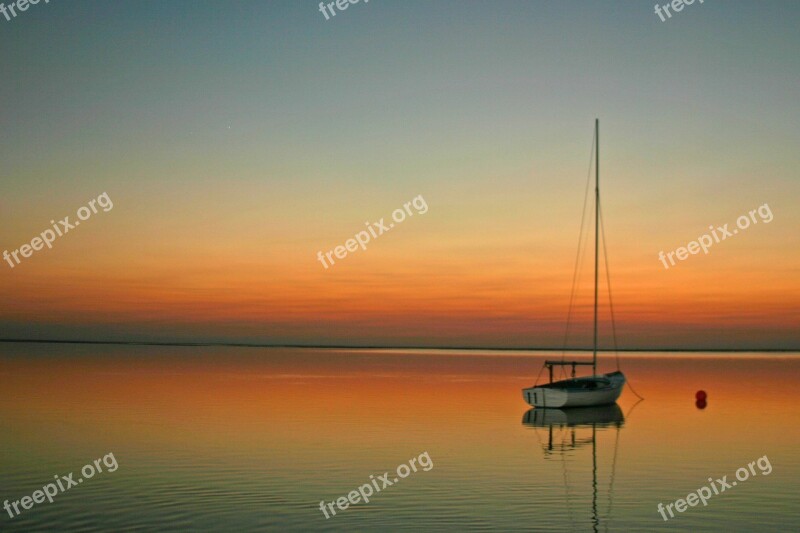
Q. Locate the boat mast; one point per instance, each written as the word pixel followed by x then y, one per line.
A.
pixel 596 233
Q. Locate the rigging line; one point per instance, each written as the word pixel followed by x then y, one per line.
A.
pixel 537 436
pixel 595 519
pixel 610 300
pixel 564 471
pixel 568 499
pixel 583 253
pixel 630 411
pixel 627 416
pixel 611 484
pixel 578 260
pixel 608 285
pixel 538 376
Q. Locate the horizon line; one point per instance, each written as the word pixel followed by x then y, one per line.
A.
pixel 379 347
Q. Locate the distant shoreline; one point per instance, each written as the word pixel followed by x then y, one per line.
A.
pixel 377 347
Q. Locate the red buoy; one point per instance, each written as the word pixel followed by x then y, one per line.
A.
pixel 700 404
pixel 700 395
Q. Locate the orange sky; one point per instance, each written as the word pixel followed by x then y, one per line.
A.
pixel 424 284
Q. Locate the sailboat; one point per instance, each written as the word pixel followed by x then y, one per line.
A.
pixel 587 391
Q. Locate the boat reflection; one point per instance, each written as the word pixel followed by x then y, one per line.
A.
pixel 600 416
pixel 572 429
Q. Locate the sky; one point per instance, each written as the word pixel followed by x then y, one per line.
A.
pixel 236 140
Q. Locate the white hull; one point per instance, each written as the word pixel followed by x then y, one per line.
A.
pixel 581 392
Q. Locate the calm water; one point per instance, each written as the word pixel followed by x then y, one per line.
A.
pixel 217 439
